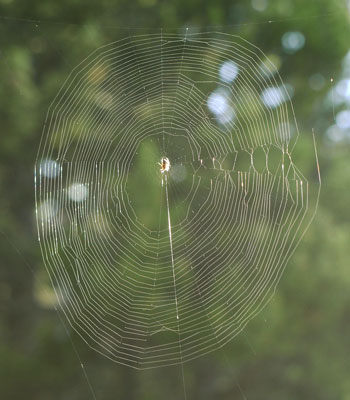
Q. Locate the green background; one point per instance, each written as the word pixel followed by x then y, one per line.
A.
pixel 298 347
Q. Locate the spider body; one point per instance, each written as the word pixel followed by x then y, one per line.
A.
pixel 164 165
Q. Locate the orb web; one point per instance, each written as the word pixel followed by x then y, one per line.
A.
pixel 167 200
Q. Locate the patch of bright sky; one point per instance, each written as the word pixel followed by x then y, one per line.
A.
pixel 228 71
pixel 342 90
pixel 259 5
pixel 49 168
pixel 338 96
pixel 337 135
pixel 293 41
pixel 272 97
pixel 218 102
pixel 342 119
pixel 77 192
pixel 226 117
pixel 47 210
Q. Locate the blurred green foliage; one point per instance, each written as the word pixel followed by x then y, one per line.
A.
pixel 297 348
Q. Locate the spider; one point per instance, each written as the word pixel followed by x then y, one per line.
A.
pixel 164 165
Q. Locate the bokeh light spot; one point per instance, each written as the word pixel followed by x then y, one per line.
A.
pixel 228 71
pixel 293 41
pixel 259 5
pixel 317 82
pixel 343 119
pixel 78 192
pixel 217 103
pixel 178 173
pixel 342 90
pixel 46 210
pixel 49 168
pixel 335 134
pixel 272 97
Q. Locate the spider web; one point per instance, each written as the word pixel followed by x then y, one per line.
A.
pixel 153 267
